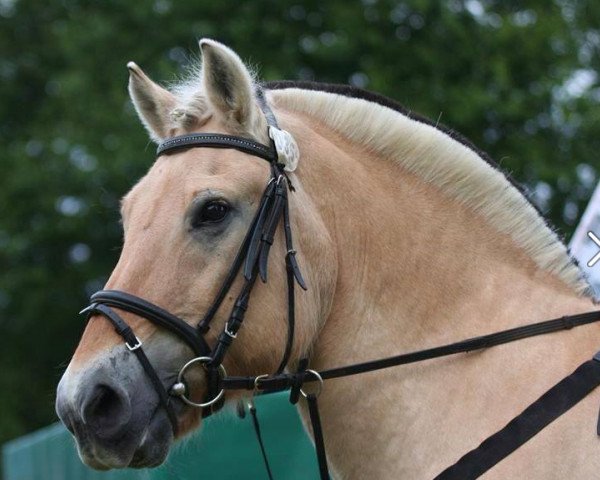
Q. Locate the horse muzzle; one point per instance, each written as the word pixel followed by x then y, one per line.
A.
pixel 115 416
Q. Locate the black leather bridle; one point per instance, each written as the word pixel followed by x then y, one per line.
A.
pixel 252 260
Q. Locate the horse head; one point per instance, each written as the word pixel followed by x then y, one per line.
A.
pixel 183 223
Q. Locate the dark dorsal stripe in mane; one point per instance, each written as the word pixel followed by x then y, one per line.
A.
pixel 355 92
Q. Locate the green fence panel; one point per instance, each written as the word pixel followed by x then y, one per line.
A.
pixel 224 448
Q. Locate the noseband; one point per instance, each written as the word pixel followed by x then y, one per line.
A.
pixel 252 258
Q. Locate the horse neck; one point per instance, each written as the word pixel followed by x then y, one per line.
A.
pixel 415 267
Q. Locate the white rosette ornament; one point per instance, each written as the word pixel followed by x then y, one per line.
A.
pixel 286 147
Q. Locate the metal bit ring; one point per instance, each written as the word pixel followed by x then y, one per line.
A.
pixel 179 389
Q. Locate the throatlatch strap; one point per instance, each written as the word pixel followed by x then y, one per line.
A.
pixel 292 275
pixel 551 405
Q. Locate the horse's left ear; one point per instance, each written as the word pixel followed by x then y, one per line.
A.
pixel 229 88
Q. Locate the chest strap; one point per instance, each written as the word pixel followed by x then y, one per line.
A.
pixel 555 402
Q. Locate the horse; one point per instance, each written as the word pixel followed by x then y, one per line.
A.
pixel 407 235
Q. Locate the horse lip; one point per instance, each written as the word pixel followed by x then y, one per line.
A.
pixel 104 461
pixel 94 462
pixel 149 449
pixel 148 455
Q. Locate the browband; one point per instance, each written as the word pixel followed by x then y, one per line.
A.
pixel 214 140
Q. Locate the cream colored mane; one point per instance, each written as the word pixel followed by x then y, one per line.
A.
pixel 439 159
pixel 434 156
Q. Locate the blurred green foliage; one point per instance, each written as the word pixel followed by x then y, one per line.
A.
pixel 517 78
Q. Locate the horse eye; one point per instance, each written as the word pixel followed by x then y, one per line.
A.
pixel 211 212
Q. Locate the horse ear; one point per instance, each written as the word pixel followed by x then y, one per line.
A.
pixel 152 103
pixel 228 86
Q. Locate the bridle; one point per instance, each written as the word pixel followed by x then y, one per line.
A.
pixel 251 258
pixel 252 261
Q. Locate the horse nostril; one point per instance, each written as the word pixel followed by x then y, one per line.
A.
pixel 106 409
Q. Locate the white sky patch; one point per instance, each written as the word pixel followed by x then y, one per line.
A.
pixel 70 206
pixel 475 8
pixel 523 18
pixel 578 84
pixel 542 194
pixel 586 175
pixel 79 253
pixel 80 158
pixel 7 8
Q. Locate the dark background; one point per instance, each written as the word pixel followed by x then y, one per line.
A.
pixel 517 78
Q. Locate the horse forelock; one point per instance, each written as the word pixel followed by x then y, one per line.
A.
pixel 440 157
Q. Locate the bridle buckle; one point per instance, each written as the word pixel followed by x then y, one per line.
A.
pixel 133 348
pixel 229 333
pixel 257 383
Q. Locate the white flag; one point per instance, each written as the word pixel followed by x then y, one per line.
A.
pixel 584 244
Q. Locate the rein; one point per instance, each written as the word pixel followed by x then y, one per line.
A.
pixel 289 380
pixel 251 261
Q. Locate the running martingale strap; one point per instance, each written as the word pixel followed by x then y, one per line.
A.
pixel 287 380
pixel 555 402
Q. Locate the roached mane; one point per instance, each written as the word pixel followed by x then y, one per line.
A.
pixel 438 155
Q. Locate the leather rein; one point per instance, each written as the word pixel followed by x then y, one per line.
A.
pixel 252 261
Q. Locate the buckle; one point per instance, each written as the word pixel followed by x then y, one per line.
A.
pixel 228 332
pixel 134 347
pixel 257 383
